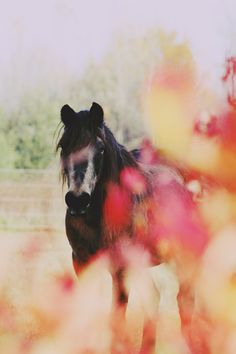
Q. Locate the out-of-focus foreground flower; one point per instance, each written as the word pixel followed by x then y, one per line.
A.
pixel 203 145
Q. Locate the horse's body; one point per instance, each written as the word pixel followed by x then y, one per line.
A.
pixel 105 209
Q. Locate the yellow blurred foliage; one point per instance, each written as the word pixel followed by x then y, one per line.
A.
pixel 169 101
pixel 218 209
pixel 168 121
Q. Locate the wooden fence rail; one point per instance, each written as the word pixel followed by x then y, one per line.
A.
pixel 31 199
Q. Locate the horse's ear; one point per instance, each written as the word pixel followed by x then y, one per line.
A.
pixel 96 113
pixel 67 115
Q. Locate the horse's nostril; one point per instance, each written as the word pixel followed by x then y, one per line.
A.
pixel 70 200
pixel 77 204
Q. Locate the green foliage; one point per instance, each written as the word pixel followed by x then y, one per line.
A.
pixel 117 83
pixel 31 126
pixel 7 153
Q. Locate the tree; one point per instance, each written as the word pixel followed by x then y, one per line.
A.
pixel 31 127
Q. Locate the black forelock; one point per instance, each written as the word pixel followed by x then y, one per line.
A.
pixel 83 117
pixel 78 134
pixel 73 136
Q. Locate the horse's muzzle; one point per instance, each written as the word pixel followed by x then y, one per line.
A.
pixel 77 205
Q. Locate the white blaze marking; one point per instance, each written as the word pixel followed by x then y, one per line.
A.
pixel 71 174
pixel 89 179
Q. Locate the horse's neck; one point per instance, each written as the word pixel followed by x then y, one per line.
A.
pixel 118 157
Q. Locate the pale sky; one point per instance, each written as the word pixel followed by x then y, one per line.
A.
pixel 64 34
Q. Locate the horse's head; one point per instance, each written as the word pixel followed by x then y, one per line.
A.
pixel 82 150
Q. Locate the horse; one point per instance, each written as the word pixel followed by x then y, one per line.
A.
pixel 116 197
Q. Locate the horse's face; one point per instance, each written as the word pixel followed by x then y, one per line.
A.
pixel 82 153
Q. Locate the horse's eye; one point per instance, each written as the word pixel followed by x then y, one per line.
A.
pixel 100 151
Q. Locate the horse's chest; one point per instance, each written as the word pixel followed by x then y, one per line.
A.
pixel 83 237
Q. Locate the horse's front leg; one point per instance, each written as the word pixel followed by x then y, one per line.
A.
pixel 134 312
pixel 120 340
pixel 120 294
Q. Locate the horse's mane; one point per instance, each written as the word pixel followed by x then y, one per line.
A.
pixel 116 156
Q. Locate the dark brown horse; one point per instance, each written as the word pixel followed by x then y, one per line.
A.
pixel 116 196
